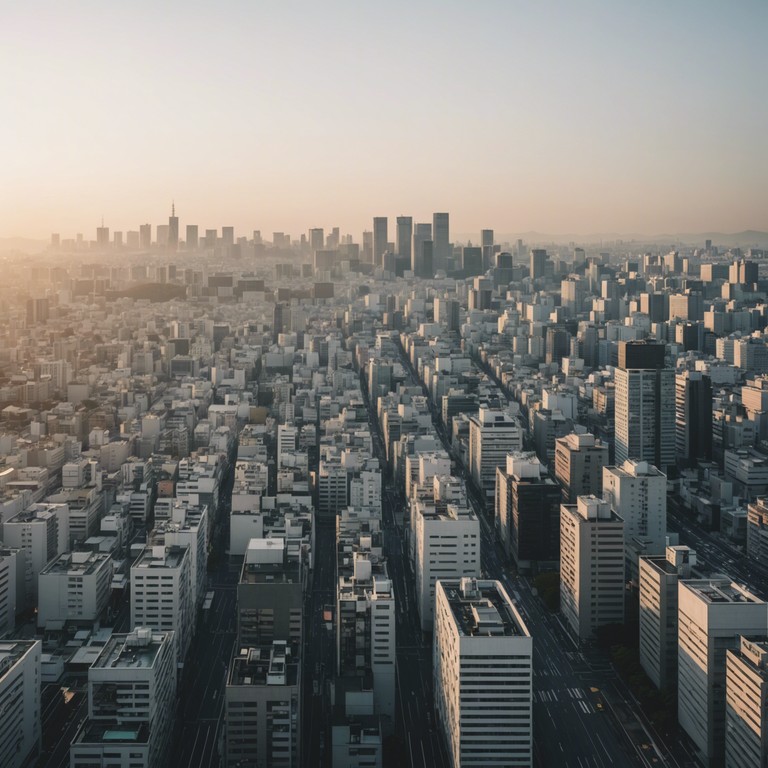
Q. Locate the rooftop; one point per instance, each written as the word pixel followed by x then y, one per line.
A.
pixel 721 591
pixel 135 650
pixel 482 609
pixel 276 664
pixel 77 563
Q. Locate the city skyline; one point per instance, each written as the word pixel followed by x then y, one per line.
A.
pixel 560 120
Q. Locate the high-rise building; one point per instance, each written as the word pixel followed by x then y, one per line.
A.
pixel 591 566
pixel 483 675
pixel 492 435
pixel 145 236
pixel 447 546
pixel 472 261
pixel 404 237
pixel 538 263
pixel 11 564
pixel 102 236
pixel 448 313
pixel 161 594
pixel 645 405
pixel 527 512
pixel 441 237
pixel 262 710
pixel 422 234
pixel 486 243
pixel 380 240
pixel 20 683
pixel 173 229
pixel 746 713
pixel 713 613
pixel 317 239
pixel 228 236
pixel 579 462
pixel 637 492
pixel 693 418
pixel 191 239
pixel 131 703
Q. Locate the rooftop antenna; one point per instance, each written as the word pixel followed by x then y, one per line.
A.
pixel 173 208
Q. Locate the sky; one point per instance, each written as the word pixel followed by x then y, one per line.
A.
pixel 584 116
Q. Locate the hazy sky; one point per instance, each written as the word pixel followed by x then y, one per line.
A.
pixel 555 116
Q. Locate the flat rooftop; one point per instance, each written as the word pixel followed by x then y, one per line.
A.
pixel 721 591
pixel 10 652
pixel 161 557
pixel 77 563
pixel 112 732
pixel 276 664
pixel 480 609
pixel 135 650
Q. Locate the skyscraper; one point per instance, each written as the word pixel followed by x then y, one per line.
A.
pixel 145 236
pixel 441 237
pixel 693 417
pixel 316 239
pixel 379 239
pixel 645 405
pixel 422 233
pixel 192 237
pixel 538 263
pixel 404 236
pixel 173 229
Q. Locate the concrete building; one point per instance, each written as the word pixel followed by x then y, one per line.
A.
pixel 637 492
pixel 591 566
pixel 757 531
pixel 483 675
pixel 492 435
pixel 645 405
pixel 42 531
pixel 527 512
pixel 746 704
pixel 75 587
pixel 131 702
pixel 20 728
pixel 269 595
pixel 579 462
pixel 658 612
pixel 712 615
pixel 447 546
pixel 11 587
pixel 693 418
pixel 262 709
pixel 161 594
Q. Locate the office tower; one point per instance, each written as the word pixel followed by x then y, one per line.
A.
pixel 162 235
pixel 746 713
pixel 365 627
pixel 637 492
pixel 441 237
pixel 645 405
pixel 11 573
pixel 421 234
pixel 210 239
pixel 448 313
pixel 102 236
pixel 317 239
pixel 74 588
pixel 42 532
pixel 486 243
pixel 131 703
pixel 743 272
pixel 38 311
pixel 591 566
pixel 269 594
pixel 712 615
pixel 483 675
pixel 173 229
pixel 379 239
pixel 492 435
pixel 472 261
pixel 757 531
pixel 693 418
pixel 132 239
pixel 161 594
pixel 368 247
pixel 191 239
pixel 558 344
pixel 447 546
pixel 55 240
pixel 20 729
pixel 538 263
pixel 579 462
pixel 228 236
pixel 404 237
pixel 287 435
pixel 659 612
pixel 145 236
pixel 117 239
pixel 262 711
pixel 527 512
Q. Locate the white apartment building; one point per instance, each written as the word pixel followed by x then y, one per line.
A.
pixel 365 490
pixel 492 435
pixel 75 587
pixel 20 729
pixel 579 462
pixel 591 566
pixel 131 698
pixel 712 615
pixel 161 594
pixel 447 546
pixel 287 434
pixel 746 695
pixel 658 612
pixel 42 531
pixel 483 675
pixel 637 493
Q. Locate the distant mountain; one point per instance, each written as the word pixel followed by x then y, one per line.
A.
pixel 22 245
pixel 748 238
